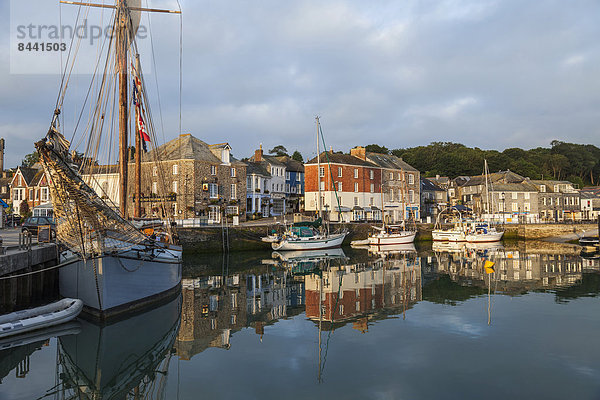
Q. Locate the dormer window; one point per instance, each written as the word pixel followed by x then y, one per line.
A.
pixel 225 156
pixel 543 188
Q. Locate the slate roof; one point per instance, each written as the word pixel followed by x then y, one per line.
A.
pixel 340 158
pixel 270 159
pixel 389 161
pixel 187 147
pixel 256 168
pixel 514 187
pixel 550 185
pixel 496 177
pixel 427 185
pixel 594 191
pixel 291 164
pixel 441 180
pixel 37 178
pixel 28 174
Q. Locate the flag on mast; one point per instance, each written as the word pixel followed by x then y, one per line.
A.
pixel 137 90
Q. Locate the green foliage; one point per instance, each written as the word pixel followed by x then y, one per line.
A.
pixel 375 148
pixel 577 163
pixel 24 209
pixel 297 156
pixel 30 159
pixel 279 150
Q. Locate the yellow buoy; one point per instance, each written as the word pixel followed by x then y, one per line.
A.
pixel 489 266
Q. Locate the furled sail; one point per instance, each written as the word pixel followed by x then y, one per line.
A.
pixel 85 223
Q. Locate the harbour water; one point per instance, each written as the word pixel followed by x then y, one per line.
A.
pixel 352 324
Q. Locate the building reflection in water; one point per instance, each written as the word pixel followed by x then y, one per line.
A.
pixel 516 271
pixel 216 306
pixel 116 361
pixel 335 290
pixel 362 292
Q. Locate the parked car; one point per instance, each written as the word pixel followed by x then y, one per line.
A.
pixel 13 220
pixel 31 224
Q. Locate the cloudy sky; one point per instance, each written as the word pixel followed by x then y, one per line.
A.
pixel 486 73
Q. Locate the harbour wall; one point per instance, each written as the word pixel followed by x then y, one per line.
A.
pixel 247 238
pixel 29 288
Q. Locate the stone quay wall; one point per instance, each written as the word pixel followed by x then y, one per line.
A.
pixel 243 238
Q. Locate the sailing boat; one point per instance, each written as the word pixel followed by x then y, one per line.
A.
pixel 107 263
pixel 308 235
pixel 472 231
pixel 483 231
pixel 391 234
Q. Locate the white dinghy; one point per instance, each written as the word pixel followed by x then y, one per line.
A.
pixel 40 317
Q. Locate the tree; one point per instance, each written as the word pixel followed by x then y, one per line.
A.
pixel 24 209
pixel 297 156
pixel 279 150
pixel 375 148
pixel 30 159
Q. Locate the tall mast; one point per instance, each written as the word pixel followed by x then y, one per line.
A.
pixel 121 48
pixel 319 168
pixel 487 190
pixel 382 202
pixel 137 205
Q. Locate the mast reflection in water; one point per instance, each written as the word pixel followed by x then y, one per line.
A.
pixel 300 324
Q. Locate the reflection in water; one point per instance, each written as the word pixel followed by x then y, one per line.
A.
pixel 515 271
pixel 126 359
pixel 366 292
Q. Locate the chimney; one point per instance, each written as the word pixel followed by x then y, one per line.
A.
pixel 258 154
pixel 359 152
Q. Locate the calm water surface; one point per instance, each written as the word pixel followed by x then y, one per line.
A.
pixel 352 324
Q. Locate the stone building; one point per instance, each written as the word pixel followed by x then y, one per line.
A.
pixel 434 199
pixel 193 179
pixel 558 201
pixel 473 189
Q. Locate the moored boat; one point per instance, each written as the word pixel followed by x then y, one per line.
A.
pixel 108 262
pixel 40 317
pixel 390 235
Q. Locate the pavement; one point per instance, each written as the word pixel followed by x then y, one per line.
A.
pixel 10 236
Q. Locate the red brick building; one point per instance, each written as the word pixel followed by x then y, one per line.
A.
pixel 354 182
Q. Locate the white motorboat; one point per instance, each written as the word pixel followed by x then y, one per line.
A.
pixel 482 232
pixel 313 242
pixel 40 317
pixel 391 235
pixel 454 234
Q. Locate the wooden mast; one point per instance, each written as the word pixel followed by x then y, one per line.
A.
pixel 122 46
pixel 137 203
